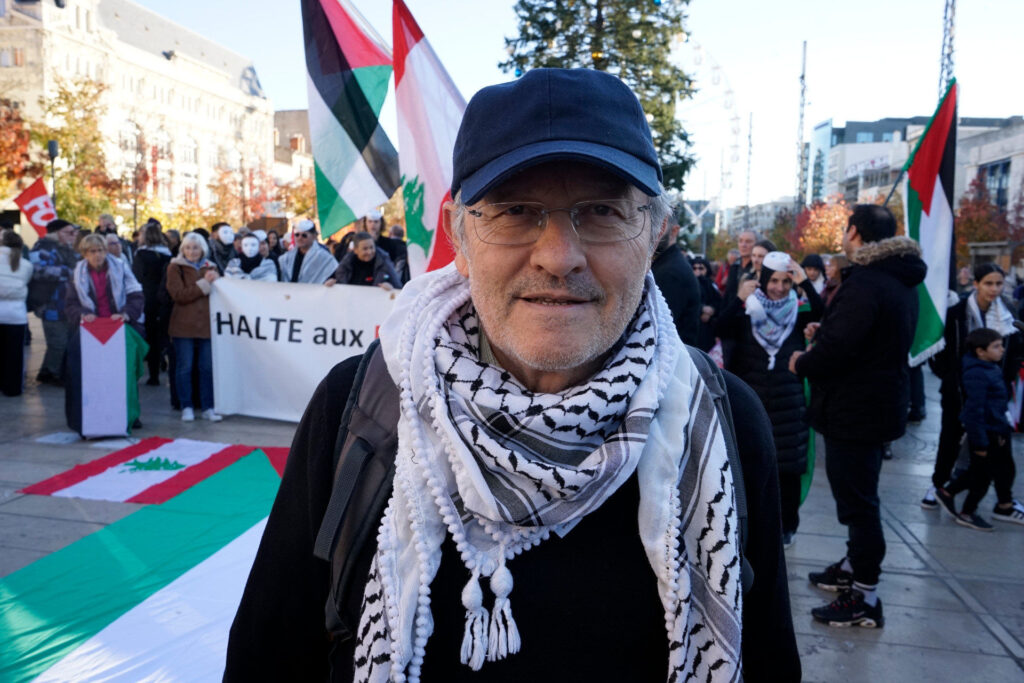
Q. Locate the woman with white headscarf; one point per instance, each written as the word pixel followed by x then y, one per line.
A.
pixel 766 321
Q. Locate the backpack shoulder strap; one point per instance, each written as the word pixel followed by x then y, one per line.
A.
pixel 364 467
pixel 715 381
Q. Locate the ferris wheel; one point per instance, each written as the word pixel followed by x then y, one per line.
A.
pixel 712 119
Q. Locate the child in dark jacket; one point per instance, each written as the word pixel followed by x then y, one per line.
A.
pixel 985 420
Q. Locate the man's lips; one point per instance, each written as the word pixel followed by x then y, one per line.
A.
pixel 554 299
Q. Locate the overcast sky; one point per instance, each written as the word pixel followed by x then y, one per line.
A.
pixel 866 60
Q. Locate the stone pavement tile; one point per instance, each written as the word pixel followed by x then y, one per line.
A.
pixel 819 524
pixel 950 534
pixel 67 454
pixel 1015 626
pixel 999 597
pixel 21 472
pixel 9 490
pixel 41 533
pixel 828 549
pixel 13 559
pixel 911 626
pixel 77 509
pixel 899 590
pixel 974 563
pixel 831 659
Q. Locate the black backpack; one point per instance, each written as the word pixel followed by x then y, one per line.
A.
pixel 364 468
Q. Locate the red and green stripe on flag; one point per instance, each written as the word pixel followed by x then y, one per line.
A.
pixel 928 208
pixel 430 110
pixel 347 68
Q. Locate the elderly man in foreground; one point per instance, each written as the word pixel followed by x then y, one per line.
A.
pixel 562 505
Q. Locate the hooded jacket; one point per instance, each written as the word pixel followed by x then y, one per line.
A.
pixel 858 364
pixel 383 270
pixel 985 406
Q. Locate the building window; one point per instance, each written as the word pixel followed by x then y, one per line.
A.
pixel 6 57
pixel 864 136
pixel 162 144
pixel 996 177
pixel 298 143
pixel 886 137
pixel 189 152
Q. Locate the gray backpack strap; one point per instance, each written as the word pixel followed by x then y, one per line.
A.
pixel 715 381
pixel 364 457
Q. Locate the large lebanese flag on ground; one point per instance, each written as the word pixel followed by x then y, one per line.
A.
pixel 150 597
pixel 928 207
pixel 347 69
pixel 429 112
pixel 151 471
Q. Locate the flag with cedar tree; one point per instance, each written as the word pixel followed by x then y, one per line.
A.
pixel 429 113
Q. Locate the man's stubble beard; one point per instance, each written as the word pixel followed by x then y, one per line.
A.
pixel 564 357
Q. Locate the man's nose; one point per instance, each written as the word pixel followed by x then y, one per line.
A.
pixel 559 249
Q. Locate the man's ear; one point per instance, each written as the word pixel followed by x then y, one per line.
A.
pixel 448 210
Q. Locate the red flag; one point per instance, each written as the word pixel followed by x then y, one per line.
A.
pixel 37 206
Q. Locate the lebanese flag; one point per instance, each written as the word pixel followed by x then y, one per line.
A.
pixel 928 207
pixel 150 597
pixel 430 109
pixel 102 398
pixel 151 471
pixel 347 73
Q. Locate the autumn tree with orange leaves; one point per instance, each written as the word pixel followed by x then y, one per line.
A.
pixel 979 220
pixel 825 224
pixel 16 162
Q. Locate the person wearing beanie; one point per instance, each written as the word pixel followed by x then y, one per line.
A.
pixel 766 322
pixel 53 260
pixel 814 266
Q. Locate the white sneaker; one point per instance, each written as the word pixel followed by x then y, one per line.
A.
pixel 187 415
pixel 208 414
pixel 1014 515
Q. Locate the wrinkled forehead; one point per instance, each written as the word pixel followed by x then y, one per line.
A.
pixel 574 178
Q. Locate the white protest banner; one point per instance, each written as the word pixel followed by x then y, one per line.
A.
pixel 274 341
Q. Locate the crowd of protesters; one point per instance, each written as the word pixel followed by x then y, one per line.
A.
pixel 820 341
pixel 159 283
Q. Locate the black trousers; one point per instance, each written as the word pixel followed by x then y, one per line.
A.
pixel 12 351
pixel 789 497
pixel 157 340
pixel 853 468
pixel 996 466
pixel 951 431
pixel 917 390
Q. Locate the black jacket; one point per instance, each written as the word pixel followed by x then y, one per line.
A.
pixel 604 588
pixel 709 296
pixel 736 273
pixel 781 392
pixel 858 364
pixel 383 270
pixel 149 268
pixel 985 405
pixel 675 278
pixel 946 364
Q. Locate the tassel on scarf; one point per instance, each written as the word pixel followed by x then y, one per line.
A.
pixel 504 638
pixel 473 646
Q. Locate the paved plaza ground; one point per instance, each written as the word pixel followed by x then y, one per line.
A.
pixel 953 597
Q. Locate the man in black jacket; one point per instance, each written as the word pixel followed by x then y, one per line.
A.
pixel 859 398
pixel 674 277
pixel 532 371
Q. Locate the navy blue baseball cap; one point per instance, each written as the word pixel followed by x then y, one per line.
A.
pixel 553 115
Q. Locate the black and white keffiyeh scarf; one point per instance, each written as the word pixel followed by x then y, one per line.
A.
pixel 500 468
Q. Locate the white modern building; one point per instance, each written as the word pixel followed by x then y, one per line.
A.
pixel 179 105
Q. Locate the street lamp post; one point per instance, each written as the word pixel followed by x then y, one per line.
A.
pixel 53 149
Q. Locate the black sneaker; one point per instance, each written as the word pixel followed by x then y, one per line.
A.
pixel 916 417
pixel 834 578
pixel 929 502
pixel 947 501
pixel 849 609
pixel 973 521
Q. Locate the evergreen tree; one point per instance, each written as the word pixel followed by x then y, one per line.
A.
pixel 629 39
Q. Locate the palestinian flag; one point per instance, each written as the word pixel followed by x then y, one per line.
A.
pixel 151 471
pixel 348 69
pixel 150 597
pixel 928 208
pixel 105 362
pixel 429 112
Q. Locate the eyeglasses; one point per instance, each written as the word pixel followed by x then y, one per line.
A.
pixel 597 221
